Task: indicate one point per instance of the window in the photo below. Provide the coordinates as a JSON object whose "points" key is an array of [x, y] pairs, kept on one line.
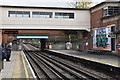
{"points": [[42, 14], [64, 15], [26, 14], [12, 14], [20, 14], [110, 10]]}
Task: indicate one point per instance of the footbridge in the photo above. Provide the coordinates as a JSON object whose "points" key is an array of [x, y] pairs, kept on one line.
{"points": [[27, 17]]}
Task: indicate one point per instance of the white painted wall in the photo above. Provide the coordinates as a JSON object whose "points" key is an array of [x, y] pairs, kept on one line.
{"points": [[0, 17], [81, 20], [0, 25], [0, 37]]}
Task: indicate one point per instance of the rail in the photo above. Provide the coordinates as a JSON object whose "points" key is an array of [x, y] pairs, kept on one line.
{"points": [[67, 67]]}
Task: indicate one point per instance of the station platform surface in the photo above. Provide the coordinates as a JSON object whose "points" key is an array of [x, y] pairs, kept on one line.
{"points": [[17, 68], [101, 58]]}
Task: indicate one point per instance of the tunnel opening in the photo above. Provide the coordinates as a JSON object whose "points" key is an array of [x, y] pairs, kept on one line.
{"points": [[39, 42]]}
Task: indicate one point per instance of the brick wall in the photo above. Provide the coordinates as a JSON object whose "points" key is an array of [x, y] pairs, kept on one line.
{"points": [[96, 19], [95, 23], [51, 32], [98, 22], [7, 37]]}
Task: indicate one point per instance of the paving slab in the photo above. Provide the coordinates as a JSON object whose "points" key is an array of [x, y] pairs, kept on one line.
{"points": [[15, 68]]}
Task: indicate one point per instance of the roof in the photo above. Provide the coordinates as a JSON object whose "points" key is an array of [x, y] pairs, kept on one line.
{"points": [[102, 3], [11, 6], [105, 2]]}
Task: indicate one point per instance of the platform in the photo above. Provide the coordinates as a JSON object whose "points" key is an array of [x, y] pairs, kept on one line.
{"points": [[18, 67], [103, 58]]}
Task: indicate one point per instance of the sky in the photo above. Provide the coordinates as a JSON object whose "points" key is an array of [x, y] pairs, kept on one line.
{"points": [[42, 3]]}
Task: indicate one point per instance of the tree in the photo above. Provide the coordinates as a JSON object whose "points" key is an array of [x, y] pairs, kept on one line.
{"points": [[80, 4], [83, 4]]}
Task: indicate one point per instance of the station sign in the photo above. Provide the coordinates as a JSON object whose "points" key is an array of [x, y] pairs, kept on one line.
{"points": [[112, 36], [118, 46]]}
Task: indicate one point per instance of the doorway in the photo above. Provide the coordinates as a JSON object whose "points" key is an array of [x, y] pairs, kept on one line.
{"points": [[112, 44]]}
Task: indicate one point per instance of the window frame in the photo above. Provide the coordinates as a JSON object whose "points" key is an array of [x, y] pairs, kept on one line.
{"points": [[110, 10], [64, 15], [19, 14], [42, 14]]}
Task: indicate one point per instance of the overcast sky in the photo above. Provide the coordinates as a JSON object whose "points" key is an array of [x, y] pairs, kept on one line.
{"points": [[42, 3]]}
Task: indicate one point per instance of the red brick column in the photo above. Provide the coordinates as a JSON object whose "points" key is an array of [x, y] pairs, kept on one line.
{"points": [[85, 39], [5, 38]]}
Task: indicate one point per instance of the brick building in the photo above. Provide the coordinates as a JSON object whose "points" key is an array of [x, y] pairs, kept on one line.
{"points": [[105, 26]]}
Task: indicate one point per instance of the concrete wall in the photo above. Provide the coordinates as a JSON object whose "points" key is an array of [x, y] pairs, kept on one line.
{"points": [[0, 17], [0, 25], [81, 20], [58, 46], [0, 37]]}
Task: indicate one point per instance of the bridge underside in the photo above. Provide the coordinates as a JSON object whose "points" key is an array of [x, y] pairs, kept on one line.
{"points": [[45, 36]]}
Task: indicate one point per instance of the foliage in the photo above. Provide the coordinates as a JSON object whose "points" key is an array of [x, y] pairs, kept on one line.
{"points": [[83, 4], [80, 4]]}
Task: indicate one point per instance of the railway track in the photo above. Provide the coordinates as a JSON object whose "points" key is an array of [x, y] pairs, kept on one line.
{"points": [[51, 71], [51, 67], [41, 69]]}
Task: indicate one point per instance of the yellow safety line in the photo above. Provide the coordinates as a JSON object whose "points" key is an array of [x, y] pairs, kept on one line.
{"points": [[98, 61], [25, 68]]}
